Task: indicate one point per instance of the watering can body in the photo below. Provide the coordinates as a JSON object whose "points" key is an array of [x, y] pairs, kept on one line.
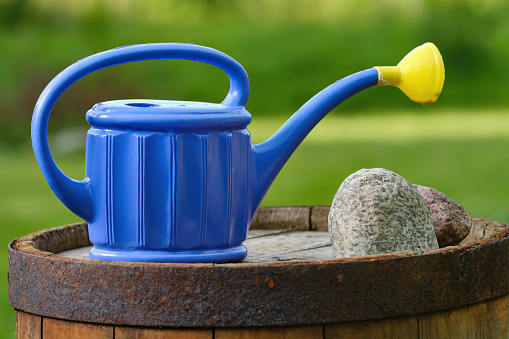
{"points": [[178, 181], [172, 190]]}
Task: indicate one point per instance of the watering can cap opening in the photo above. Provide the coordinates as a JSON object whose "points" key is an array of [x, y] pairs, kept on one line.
{"points": [[167, 115]]}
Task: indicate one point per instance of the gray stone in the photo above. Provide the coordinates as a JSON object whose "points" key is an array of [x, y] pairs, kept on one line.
{"points": [[377, 211], [450, 220]]}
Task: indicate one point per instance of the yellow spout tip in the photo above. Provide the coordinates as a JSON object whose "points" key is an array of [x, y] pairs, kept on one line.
{"points": [[420, 74]]}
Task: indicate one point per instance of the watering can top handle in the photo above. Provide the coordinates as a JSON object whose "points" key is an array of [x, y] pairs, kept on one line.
{"points": [[75, 194], [239, 82]]}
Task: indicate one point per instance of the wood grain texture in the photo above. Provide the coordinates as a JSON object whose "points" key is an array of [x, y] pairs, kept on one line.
{"points": [[251, 333], [498, 315], [58, 329], [290, 332], [282, 217], [304, 332], [289, 246], [483, 320], [394, 328], [28, 326], [320, 218], [155, 333], [483, 229], [462, 323]]}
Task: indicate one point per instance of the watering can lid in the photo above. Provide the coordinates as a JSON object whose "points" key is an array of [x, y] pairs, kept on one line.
{"points": [[167, 115]]}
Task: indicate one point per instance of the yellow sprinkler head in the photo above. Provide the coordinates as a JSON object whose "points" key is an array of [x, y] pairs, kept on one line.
{"points": [[420, 75]]}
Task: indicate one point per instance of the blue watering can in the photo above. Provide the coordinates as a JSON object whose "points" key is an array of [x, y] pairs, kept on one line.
{"points": [[180, 181]]}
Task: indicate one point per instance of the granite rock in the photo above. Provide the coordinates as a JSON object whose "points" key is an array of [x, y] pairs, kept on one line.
{"points": [[450, 220], [377, 211]]}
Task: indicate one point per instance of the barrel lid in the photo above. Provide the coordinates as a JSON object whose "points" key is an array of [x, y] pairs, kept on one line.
{"points": [[167, 115]]}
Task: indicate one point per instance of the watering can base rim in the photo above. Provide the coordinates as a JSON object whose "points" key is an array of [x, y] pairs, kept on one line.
{"points": [[220, 255]]}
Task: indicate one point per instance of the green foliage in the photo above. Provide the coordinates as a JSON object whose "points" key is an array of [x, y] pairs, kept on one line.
{"points": [[461, 153], [290, 49]]}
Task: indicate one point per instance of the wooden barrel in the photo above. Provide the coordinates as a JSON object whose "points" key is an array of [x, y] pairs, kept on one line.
{"points": [[287, 287]]}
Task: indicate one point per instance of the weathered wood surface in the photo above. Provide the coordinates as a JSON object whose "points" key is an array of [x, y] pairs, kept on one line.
{"points": [[483, 320], [286, 281], [58, 329], [286, 217], [295, 332], [483, 229], [397, 328], [123, 332], [28, 326]]}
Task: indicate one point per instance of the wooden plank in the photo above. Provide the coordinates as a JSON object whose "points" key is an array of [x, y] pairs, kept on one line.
{"points": [[320, 218], [122, 332], [250, 333], [282, 217], [318, 253], [264, 233], [466, 322], [498, 317], [28, 326], [288, 246], [290, 332], [304, 332], [394, 328], [483, 229], [76, 253], [483, 320], [58, 329]]}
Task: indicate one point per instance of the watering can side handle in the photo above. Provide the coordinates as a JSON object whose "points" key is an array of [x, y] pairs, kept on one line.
{"points": [[75, 194]]}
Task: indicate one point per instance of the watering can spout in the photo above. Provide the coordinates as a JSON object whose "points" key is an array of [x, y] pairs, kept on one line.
{"points": [[420, 75]]}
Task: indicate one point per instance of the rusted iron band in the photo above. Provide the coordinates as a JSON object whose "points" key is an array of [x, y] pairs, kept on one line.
{"points": [[238, 295]]}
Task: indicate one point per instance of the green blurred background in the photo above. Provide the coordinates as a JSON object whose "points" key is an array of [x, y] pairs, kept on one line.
{"points": [[291, 50]]}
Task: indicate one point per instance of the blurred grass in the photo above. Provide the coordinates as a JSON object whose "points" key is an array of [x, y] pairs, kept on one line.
{"points": [[461, 153], [291, 50]]}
